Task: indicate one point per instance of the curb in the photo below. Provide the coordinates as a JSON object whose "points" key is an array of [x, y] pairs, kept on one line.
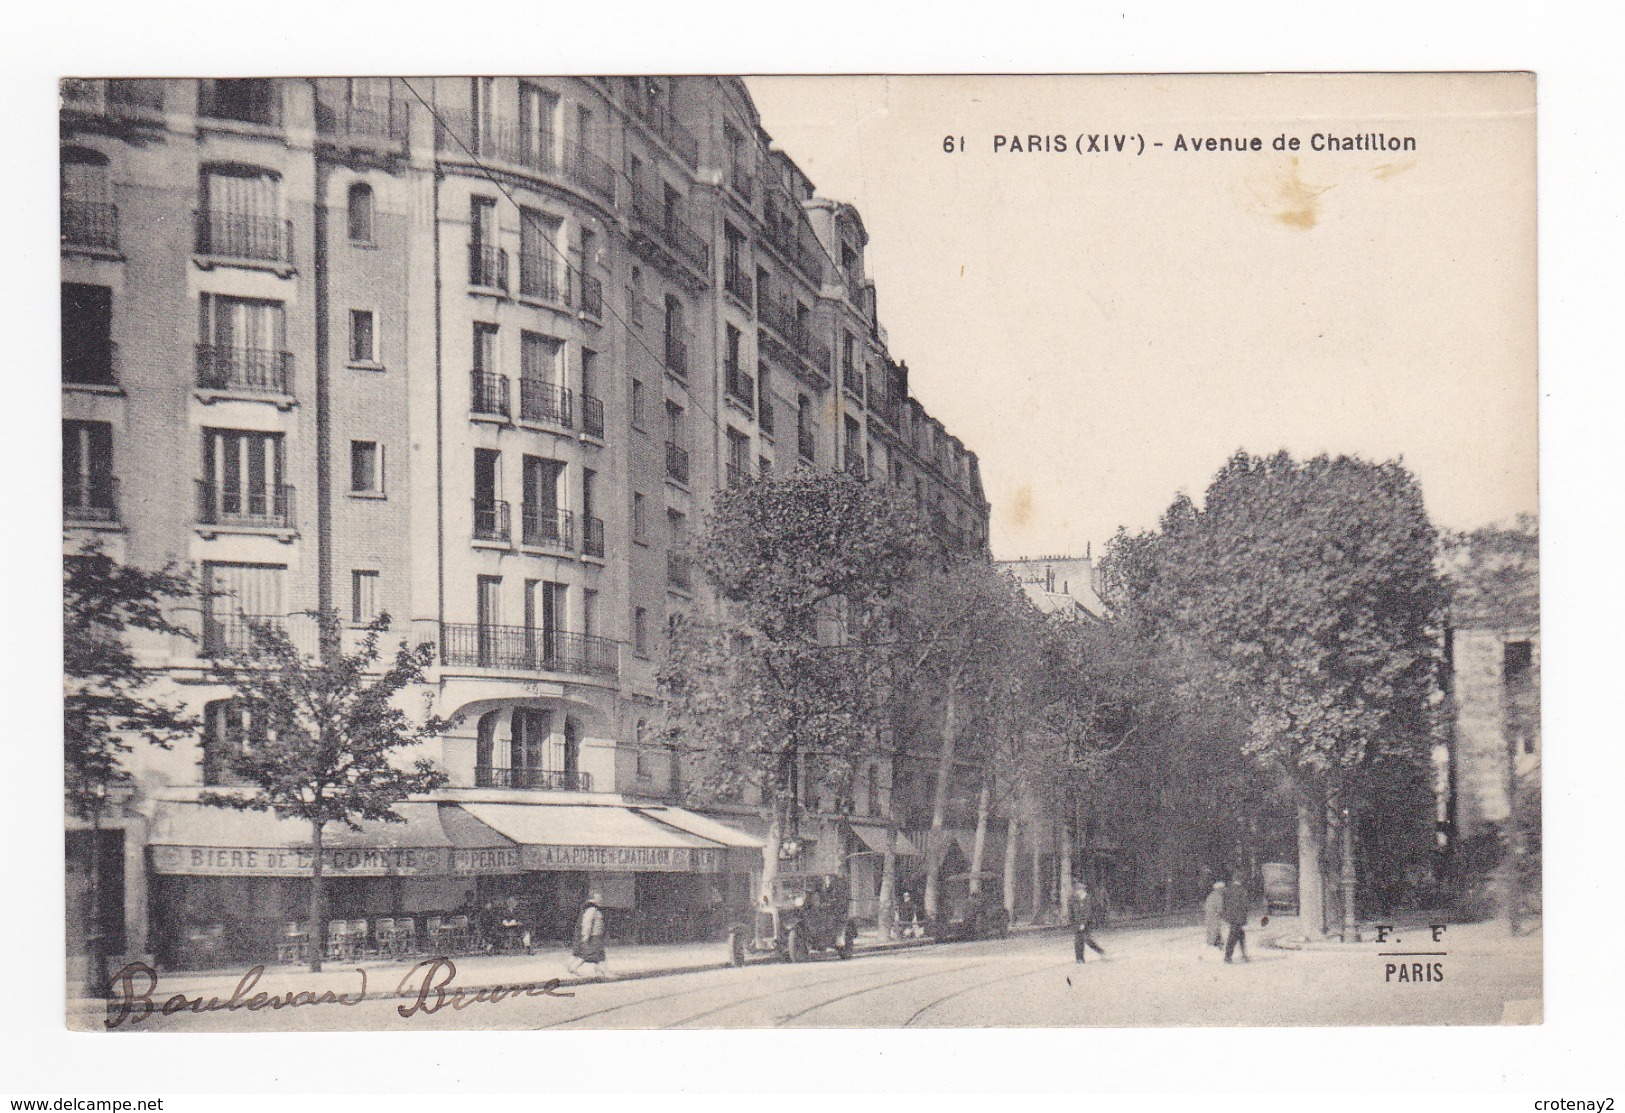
{"points": [[93, 1006]]}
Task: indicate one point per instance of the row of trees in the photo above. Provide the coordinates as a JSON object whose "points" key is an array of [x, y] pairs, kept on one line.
{"points": [[1275, 650]]}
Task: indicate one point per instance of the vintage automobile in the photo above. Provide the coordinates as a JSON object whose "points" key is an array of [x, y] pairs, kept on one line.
{"points": [[808, 912], [1280, 886], [966, 916]]}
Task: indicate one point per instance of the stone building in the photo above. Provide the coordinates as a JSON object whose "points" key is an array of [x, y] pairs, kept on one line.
{"points": [[474, 353]]}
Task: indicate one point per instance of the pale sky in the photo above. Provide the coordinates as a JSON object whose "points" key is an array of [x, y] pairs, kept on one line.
{"points": [[1105, 329]]}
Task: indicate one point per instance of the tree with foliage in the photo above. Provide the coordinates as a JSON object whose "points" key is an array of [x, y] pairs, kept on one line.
{"points": [[1494, 577], [1311, 587], [106, 700], [777, 680], [325, 737]]}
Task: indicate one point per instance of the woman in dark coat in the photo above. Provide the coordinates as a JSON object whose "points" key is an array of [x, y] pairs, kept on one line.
{"points": [[588, 948]]}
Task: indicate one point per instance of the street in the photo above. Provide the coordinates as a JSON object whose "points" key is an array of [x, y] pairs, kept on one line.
{"points": [[1151, 977]]}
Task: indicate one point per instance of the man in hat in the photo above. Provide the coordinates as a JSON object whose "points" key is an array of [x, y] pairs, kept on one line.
{"points": [[588, 948], [1086, 914]]}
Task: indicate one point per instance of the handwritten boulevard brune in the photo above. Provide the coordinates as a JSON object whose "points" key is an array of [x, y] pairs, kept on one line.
{"points": [[426, 989]]}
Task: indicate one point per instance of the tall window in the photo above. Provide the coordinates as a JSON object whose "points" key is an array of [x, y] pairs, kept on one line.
{"points": [[229, 733], [242, 344], [804, 428], [640, 631], [488, 615], [542, 523], [634, 297], [363, 595], [485, 346], [538, 254], [738, 457], [232, 592], [242, 477], [87, 471], [363, 340], [640, 523], [360, 214], [676, 337], [637, 405], [483, 95], [87, 334], [540, 358], [734, 273], [484, 261], [675, 424], [242, 214], [538, 109], [366, 468], [88, 216], [589, 612]]}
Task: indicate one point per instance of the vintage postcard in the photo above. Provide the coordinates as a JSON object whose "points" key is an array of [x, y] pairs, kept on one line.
{"points": [[702, 551]]}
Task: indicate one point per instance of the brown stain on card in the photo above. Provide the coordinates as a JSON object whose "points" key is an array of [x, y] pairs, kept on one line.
{"points": [[1021, 507], [1391, 169], [1297, 202]]}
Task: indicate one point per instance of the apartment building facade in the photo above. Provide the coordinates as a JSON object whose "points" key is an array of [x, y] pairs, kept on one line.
{"points": [[474, 353]]}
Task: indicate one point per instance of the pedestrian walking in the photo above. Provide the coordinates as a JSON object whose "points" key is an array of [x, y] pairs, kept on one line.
{"points": [[1238, 908], [588, 947], [1086, 912], [1213, 915]]}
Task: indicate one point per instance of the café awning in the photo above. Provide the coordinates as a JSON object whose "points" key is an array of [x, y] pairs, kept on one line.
{"points": [[874, 838], [599, 837], [188, 837]]}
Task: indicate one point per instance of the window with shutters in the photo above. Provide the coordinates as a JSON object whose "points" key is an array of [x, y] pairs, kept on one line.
{"points": [[242, 480], [363, 596], [88, 488], [234, 594]]}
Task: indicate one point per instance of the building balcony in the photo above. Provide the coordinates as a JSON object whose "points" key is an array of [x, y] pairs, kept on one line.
{"points": [[491, 522], [135, 100], [255, 507], [737, 283], [487, 267], [789, 237], [537, 780], [666, 239], [89, 224], [547, 527], [793, 335], [255, 101], [589, 172], [524, 649], [676, 462], [233, 635], [364, 121], [261, 239], [676, 356], [742, 182], [90, 502], [541, 277], [592, 416], [740, 387], [488, 394], [592, 536], [545, 402], [852, 381], [679, 571], [592, 296], [659, 120], [244, 370]]}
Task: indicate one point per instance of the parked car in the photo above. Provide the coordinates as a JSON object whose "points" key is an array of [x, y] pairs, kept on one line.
{"points": [[807, 913], [1280, 886], [965, 916]]}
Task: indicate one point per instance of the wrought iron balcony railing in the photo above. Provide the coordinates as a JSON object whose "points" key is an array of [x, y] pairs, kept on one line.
{"points": [[740, 386], [852, 380], [256, 506], [487, 267], [90, 500], [547, 527], [523, 648], [737, 282], [592, 296], [251, 370], [488, 394], [592, 536], [651, 218], [592, 416], [660, 120], [365, 119], [787, 235], [230, 235], [89, 224], [676, 462], [234, 635], [590, 172], [541, 276], [546, 402], [538, 780], [491, 522], [676, 355]]}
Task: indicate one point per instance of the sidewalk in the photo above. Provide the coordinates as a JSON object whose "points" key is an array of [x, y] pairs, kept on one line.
{"points": [[384, 976]]}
